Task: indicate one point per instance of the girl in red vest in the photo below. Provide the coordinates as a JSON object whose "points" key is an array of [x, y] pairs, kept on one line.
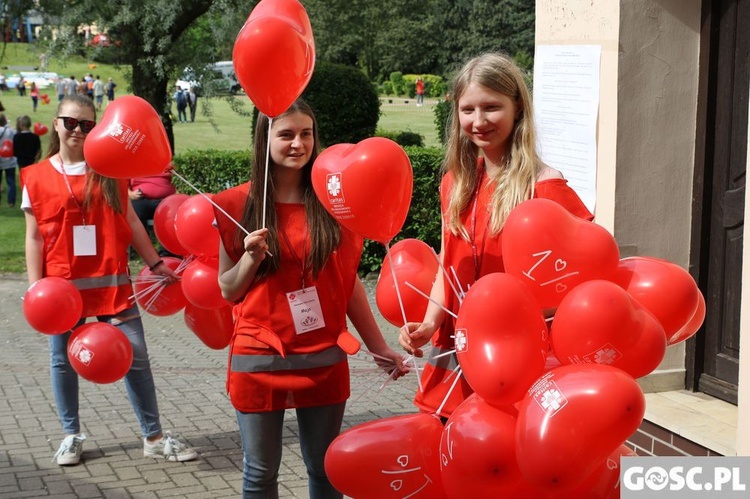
{"points": [[79, 226], [294, 283], [491, 166]]}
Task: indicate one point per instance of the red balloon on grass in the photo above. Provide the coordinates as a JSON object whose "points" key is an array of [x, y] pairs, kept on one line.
{"points": [[274, 55], [553, 251], [213, 326], [163, 300], [194, 227], [365, 186], [200, 283], [130, 141], [99, 352], [40, 129], [52, 305], [413, 262], [164, 223]]}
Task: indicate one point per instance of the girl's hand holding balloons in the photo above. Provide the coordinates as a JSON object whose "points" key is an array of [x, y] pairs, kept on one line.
{"points": [[414, 335], [255, 244]]}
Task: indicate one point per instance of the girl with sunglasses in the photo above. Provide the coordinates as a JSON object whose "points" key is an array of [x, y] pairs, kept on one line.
{"points": [[78, 227]]}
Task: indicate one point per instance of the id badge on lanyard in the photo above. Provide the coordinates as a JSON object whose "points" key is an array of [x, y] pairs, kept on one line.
{"points": [[307, 314], [84, 240]]}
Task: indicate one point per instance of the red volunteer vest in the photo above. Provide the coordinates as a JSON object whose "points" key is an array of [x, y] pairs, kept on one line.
{"points": [[272, 367], [103, 279], [438, 374]]}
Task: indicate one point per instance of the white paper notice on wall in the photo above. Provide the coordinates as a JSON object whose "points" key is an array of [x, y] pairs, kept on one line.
{"points": [[566, 107]]}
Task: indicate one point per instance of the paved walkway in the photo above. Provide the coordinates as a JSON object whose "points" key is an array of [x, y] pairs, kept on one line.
{"points": [[190, 383]]}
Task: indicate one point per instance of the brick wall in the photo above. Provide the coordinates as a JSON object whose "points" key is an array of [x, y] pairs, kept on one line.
{"points": [[653, 440]]}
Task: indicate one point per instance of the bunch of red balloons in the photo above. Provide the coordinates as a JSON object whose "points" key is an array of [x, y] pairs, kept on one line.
{"points": [[553, 407]]}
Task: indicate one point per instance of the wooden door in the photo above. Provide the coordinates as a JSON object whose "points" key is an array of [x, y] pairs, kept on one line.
{"points": [[723, 149]]}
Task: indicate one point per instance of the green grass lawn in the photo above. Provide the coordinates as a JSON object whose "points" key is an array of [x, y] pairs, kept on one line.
{"points": [[216, 126]]}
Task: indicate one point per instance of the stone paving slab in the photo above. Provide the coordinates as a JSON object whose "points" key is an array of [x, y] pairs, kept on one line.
{"points": [[190, 382]]}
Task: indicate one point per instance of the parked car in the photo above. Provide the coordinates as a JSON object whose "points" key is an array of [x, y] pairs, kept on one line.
{"points": [[218, 76]]}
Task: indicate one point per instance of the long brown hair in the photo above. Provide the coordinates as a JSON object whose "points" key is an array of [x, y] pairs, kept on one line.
{"points": [[514, 183], [325, 233], [108, 186]]}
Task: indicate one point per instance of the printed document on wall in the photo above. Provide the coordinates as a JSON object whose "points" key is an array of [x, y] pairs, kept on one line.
{"points": [[566, 108]]}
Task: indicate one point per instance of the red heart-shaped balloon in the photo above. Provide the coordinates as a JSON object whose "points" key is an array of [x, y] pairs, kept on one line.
{"points": [[572, 419], [213, 326], [553, 251], [200, 283], [501, 338], [478, 451], [388, 458], [40, 129], [598, 322], [274, 55], [129, 141], [194, 226], [164, 223], [667, 290], [6, 149], [413, 262], [365, 186]]}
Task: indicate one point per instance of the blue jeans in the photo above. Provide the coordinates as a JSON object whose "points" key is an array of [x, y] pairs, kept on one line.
{"points": [[261, 445], [10, 179], [139, 381]]}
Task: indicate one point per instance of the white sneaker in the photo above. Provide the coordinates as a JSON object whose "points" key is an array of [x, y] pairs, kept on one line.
{"points": [[168, 448], [70, 450]]}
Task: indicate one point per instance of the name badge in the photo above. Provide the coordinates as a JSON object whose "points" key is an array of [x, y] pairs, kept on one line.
{"points": [[84, 240], [306, 312]]}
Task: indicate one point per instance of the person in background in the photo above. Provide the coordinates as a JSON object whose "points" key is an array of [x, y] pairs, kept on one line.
{"points": [[491, 166], [21, 87], [61, 88], [34, 94], [181, 101], [294, 283], [146, 193], [192, 100], [420, 91], [79, 225], [27, 147], [109, 88], [98, 89], [72, 86], [8, 163]]}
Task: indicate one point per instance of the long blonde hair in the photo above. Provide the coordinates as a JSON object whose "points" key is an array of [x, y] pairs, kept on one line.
{"points": [[108, 186], [514, 183], [325, 233]]}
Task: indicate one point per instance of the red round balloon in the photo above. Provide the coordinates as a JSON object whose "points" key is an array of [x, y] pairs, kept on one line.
{"points": [[667, 290], [40, 129], [413, 262], [200, 283], [394, 457], [163, 300], [212, 326], [6, 149], [478, 451], [52, 305], [572, 418], [365, 186], [164, 223], [274, 55], [99, 352], [501, 338], [194, 226], [553, 251], [692, 327], [129, 141], [600, 323]]}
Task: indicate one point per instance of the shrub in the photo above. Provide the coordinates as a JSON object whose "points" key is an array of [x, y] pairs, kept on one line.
{"points": [[399, 85], [442, 113], [388, 88], [403, 138], [345, 103], [211, 170]]}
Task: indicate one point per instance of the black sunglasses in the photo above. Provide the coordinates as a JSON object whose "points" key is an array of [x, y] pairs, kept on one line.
{"points": [[71, 124]]}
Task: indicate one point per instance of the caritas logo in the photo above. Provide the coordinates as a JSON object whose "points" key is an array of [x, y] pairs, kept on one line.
{"points": [[334, 188]]}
